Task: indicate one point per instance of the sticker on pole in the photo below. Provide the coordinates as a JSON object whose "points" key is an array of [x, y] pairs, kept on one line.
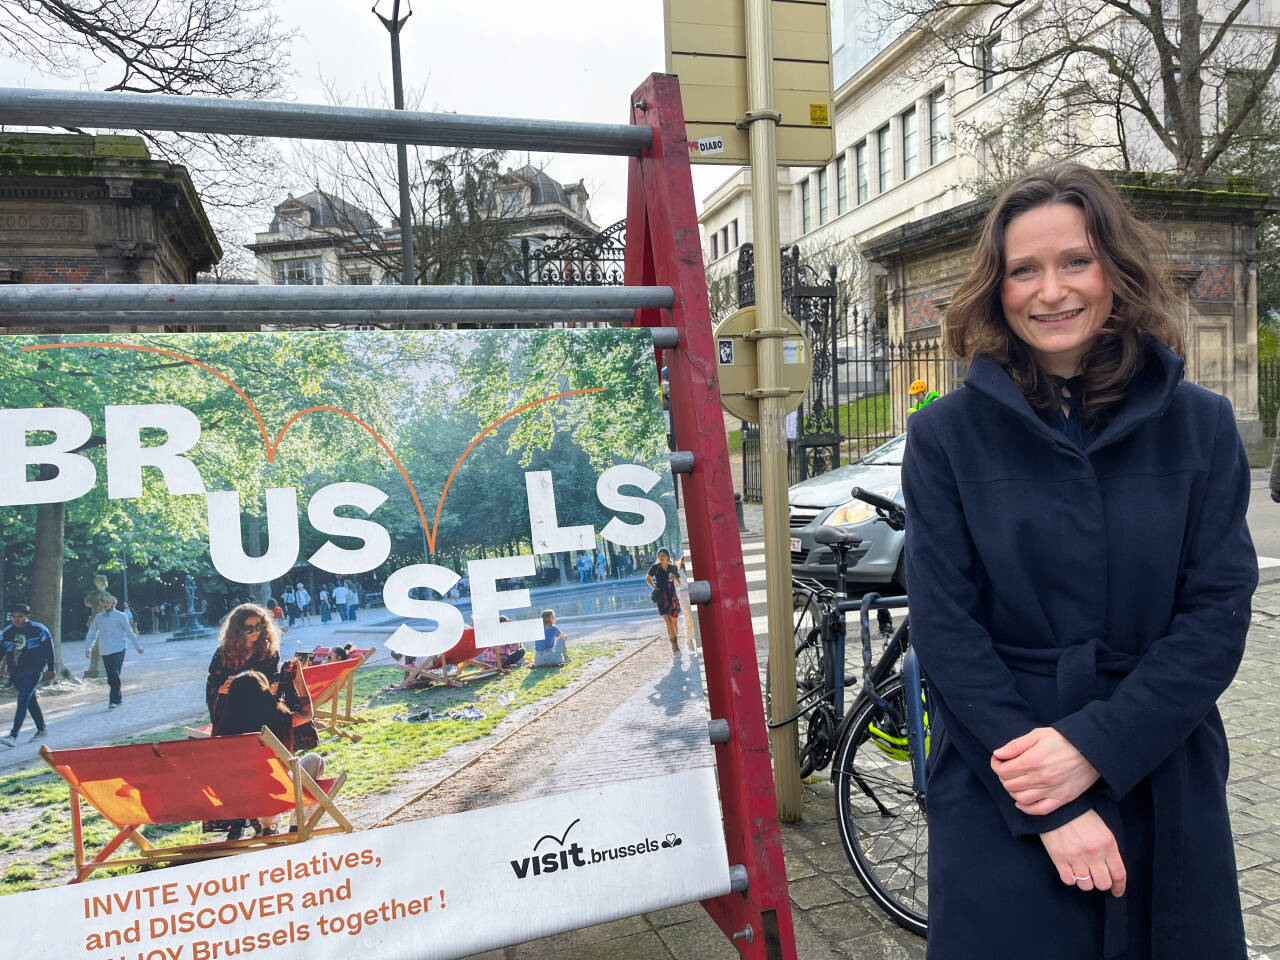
{"points": [[708, 145], [818, 115], [725, 349], [793, 351]]}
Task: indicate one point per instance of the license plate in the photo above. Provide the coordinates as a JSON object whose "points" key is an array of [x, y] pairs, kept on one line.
{"points": [[795, 544]]}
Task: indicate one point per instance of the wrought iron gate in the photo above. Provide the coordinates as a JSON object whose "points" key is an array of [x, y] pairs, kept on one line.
{"points": [[858, 397]]}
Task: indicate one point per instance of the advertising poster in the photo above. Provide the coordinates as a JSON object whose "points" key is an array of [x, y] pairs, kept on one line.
{"points": [[433, 564]]}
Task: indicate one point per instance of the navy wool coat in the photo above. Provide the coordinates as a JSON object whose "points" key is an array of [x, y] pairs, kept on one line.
{"points": [[1104, 592]]}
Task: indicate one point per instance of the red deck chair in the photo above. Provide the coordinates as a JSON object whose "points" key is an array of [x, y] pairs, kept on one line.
{"points": [[462, 654], [180, 781], [331, 686]]}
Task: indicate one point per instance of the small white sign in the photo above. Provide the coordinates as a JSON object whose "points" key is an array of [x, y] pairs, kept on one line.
{"points": [[725, 348], [710, 145], [793, 351], [792, 426]]}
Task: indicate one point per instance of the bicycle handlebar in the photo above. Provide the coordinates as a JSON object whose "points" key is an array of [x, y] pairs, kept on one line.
{"points": [[892, 513]]}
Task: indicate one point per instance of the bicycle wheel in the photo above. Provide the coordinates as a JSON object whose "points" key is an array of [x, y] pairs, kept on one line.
{"points": [[881, 819], [806, 613]]}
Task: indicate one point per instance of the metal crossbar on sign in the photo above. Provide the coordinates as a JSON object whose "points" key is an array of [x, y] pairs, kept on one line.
{"points": [[313, 121]]}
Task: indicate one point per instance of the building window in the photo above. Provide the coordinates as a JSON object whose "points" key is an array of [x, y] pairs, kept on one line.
{"points": [[359, 279], [885, 172], [842, 185], [715, 245], [733, 232], [805, 222], [937, 125], [307, 271], [512, 202], [724, 239], [294, 226], [860, 171], [822, 195], [989, 64], [910, 150]]}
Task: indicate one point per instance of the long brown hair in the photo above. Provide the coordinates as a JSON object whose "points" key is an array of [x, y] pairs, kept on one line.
{"points": [[1135, 260], [229, 640]]}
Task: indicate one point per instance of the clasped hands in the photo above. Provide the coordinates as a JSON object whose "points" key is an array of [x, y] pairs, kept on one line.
{"points": [[1042, 771]]}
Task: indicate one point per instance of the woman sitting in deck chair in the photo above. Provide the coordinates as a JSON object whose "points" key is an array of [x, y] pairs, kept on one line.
{"points": [[250, 704]]}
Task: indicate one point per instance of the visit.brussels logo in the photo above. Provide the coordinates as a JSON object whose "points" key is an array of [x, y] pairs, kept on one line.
{"points": [[553, 853]]}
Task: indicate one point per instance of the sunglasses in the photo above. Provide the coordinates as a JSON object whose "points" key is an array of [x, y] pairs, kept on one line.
{"points": [[252, 628]]}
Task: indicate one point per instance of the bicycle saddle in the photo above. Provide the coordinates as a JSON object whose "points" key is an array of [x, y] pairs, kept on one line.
{"points": [[830, 536]]}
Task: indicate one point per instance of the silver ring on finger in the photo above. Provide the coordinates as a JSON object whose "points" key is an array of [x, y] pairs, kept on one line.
{"points": [[1086, 877]]}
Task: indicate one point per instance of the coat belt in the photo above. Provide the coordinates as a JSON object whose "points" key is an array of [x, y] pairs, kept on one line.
{"points": [[1077, 669]]}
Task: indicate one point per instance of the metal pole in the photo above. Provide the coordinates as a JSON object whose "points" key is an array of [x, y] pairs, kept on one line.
{"points": [[32, 299], [313, 318], [763, 119], [408, 275], [314, 121]]}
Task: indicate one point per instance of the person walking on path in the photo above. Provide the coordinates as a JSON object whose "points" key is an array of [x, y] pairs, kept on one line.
{"points": [[661, 578], [1081, 576], [353, 600], [27, 651], [107, 634], [325, 613], [340, 600], [304, 602]]}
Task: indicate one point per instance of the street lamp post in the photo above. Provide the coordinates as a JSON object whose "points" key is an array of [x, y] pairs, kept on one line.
{"points": [[393, 25]]}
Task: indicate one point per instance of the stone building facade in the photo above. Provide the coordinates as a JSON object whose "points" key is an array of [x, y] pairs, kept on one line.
{"points": [[1211, 233], [97, 209]]}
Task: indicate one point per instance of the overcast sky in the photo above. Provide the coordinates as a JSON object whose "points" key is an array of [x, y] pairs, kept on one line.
{"points": [[553, 59]]}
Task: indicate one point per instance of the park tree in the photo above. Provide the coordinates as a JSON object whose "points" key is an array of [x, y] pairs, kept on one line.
{"points": [[230, 49], [1165, 86]]}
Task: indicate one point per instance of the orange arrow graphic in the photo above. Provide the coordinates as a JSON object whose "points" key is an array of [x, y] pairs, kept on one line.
{"points": [[273, 447]]}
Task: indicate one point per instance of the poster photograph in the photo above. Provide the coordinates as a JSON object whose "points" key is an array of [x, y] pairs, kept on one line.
{"points": [[346, 645]]}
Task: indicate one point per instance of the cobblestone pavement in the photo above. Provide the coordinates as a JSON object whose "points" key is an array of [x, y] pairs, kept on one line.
{"points": [[835, 920]]}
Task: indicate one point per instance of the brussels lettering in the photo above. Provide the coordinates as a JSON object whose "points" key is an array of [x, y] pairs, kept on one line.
{"points": [[69, 475]]}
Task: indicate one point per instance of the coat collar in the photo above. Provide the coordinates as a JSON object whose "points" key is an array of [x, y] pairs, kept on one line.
{"points": [[1148, 396]]}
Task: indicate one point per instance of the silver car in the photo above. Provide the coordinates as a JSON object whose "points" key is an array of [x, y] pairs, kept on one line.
{"points": [[825, 500]]}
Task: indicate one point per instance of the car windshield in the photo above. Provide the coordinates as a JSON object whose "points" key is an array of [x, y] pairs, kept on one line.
{"points": [[890, 454]]}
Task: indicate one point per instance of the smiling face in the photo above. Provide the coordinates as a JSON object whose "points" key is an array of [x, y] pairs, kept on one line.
{"points": [[1055, 294]]}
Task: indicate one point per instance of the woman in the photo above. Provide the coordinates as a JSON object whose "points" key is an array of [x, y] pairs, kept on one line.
{"points": [[250, 703], [1081, 576], [250, 640], [661, 578]]}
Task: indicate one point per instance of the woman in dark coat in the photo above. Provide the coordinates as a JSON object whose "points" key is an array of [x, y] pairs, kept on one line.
{"points": [[1081, 577], [250, 640]]}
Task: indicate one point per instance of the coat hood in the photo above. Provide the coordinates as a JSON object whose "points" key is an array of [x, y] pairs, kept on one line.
{"points": [[1148, 395]]}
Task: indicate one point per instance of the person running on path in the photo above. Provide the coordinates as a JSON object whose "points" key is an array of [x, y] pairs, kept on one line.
{"points": [[662, 577], [27, 650], [107, 634]]}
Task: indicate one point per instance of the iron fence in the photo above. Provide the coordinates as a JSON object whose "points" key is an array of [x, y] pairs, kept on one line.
{"points": [[857, 398], [1268, 395]]}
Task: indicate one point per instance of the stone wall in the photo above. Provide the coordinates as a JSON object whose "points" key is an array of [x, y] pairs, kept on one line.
{"points": [[86, 209]]}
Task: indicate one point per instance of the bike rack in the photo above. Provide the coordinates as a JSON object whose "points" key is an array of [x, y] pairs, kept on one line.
{"points": [[666, 290]]}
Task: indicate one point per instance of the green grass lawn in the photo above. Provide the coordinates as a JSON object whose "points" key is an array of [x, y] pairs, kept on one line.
{"points": [[38, 853]]}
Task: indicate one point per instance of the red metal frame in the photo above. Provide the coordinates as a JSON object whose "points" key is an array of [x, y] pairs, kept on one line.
{"points": [[664, 248]]}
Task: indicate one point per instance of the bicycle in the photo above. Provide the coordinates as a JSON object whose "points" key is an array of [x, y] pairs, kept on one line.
{"points": [[879, 763]]}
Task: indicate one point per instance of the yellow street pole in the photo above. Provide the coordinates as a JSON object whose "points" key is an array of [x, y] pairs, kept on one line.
{"points": [[762, 120]]}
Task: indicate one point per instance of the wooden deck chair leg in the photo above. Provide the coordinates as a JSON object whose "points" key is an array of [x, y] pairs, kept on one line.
{"points": [[302, 781], [100, 858], [320, 809]]}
